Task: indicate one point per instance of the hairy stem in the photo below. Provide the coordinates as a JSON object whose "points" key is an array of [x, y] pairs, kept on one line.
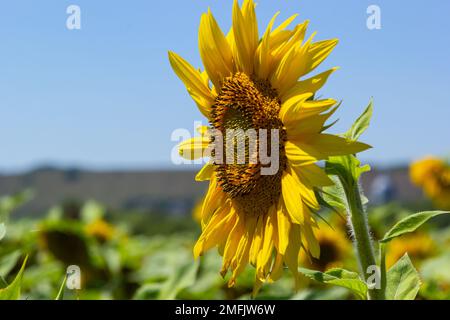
{"points": [[363, 242]]}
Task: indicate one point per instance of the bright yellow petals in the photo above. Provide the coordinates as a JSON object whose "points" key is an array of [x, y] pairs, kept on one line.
{"points": [[308, 126], [317, 53], [284, 225], [257, 240], [312, 175], [264, 221], [216, 231], [295, 111], [298, 156], [263, 58], [232, 243], [242, 254], [214, 50], [265, 254], [281, 28], [205, 173], [291, 67], [327, 145], [292, 251], [215, 198], [194, 82], [293, 40], [311, 85], [291, 197], [245, 32], [193, 148]]}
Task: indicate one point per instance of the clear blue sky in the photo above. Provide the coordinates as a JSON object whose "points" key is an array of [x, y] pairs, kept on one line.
{"points": [[105, 96]]}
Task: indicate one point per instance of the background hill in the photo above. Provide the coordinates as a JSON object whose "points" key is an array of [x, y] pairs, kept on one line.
{"points": [[172, 192]]}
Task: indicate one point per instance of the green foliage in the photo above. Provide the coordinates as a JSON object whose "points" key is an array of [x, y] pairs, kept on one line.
{"points": [[403, 282], [339, 277], [182, 278], [12, 291], [9, 204], [60, 295], [410, 224], [361, 124]]}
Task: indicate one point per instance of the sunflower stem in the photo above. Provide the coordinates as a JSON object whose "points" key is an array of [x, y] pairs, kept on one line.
{"points": [[363, 243]]}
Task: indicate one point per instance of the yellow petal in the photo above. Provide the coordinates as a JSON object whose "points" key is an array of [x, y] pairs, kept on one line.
{"points": [[298, 156], [313, 176], [300, 109], [291, 256], [193, 148], [317, 53], [284, 226], [310, 241], [293, 41], [277, 269], [205, 173], [245, 31], [232, 243], [311, 85], [263, 58], [329, 145], [284, 24], [257, 239], [307, 193], [215, 198], [291, 197], [214, 50], [290, 68], [216, 231], [311, 125], [194, 83], [268, 241], [243, 250]]}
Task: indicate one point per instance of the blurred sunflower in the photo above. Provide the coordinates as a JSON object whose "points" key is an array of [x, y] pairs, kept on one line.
{"points": [[252, 83], [433, 176], [419, 246], [335, 248], [100, 229], [197, 211]]}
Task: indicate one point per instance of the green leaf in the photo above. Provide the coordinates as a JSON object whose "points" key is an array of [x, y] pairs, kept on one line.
{"points": [[403, 282], [333, 197], [60, 295], [12, 292], [339, 277], [8, 262], [182, 278], [148, 291], [361, 124], [410, 224]]}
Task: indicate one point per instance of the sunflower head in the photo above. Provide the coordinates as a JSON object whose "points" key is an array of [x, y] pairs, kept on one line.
{"points": [[255, 92], [419, 246], [101, 230], [433, 175]]}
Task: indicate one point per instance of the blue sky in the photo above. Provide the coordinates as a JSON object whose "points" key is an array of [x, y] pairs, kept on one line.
{"points": [[105, 96]]}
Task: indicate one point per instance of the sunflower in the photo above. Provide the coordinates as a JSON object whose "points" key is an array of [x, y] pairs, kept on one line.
{"points": [[100, 229], [419, 247], [335, 248], [433, 176], [253, 83]]}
